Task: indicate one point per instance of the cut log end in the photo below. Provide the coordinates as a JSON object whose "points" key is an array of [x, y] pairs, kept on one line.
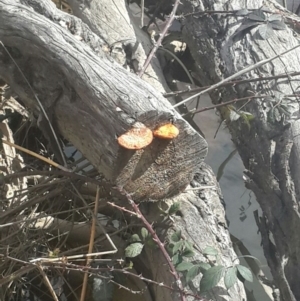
{"points": [[166, 166], [136, 138], [166, 131]]}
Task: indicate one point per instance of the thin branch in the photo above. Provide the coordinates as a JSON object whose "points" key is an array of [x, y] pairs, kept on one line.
{"points": [[122, 208], [39, 103], [159, 41], [158, 242], [58, 173], [142, 12], [237, 74], [91, 245], [47, 282], [249, 98], [29, 152], [235, 82], [72, 266]]}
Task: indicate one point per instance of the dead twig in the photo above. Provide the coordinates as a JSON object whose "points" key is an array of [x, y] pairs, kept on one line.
{"points": [[39, 103], [159, 41], [237, 74], [158, 242], [29, 152], [91, 245]]}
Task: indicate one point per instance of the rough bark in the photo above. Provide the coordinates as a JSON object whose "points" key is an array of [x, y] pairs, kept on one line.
{"points": [[105, 100], [89, 87], [268, 148]]}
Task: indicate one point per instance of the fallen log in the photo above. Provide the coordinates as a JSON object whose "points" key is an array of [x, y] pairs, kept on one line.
{"points": [[92, 101]]}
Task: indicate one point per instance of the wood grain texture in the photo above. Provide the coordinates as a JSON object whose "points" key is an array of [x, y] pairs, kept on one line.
{"points": [[93, 100], [269, 148]]}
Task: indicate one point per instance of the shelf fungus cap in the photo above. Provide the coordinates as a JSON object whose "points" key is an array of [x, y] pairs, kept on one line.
{"points": [[138, 137], [167, 131]]}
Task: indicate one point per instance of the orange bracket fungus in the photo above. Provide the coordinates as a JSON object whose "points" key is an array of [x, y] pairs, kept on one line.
{"points": [[167, 131], [138, 137]]}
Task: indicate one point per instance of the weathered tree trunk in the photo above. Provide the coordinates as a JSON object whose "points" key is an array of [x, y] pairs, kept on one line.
{"points": [[92, 99], [106, 102], [269, 148]]}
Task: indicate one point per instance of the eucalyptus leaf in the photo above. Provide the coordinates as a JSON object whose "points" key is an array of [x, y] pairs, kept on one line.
{"points": [[134, 250], [211, 278]]}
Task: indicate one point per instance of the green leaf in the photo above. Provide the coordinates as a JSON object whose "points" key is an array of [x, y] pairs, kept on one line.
{"points": [[247, 117], [188, 253], [275, 17], [266, 10], [230, 277], [278, 25], [134, 238], [150, 243], [243, 29], [257, 15], [177, 259], [242, 12], [233, 116], [177, 246], [265, 31], [176, 236], [204, 266], [2, 177], [211, 278], [188, 246], [134, 250], [144, 233], [174, 208], [192, 273], [245, 272], [184, 266], [210, 251]]}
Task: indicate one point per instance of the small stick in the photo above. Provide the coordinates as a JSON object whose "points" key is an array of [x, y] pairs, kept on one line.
{"points": [[159, 41], [158, 242], [237, 74], [29, 152], [91, 245]]}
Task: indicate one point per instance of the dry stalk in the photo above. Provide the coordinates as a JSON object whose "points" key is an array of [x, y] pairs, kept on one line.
{"points": [[91, 245], [158, 242], [159, 41], [47, 282]]}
